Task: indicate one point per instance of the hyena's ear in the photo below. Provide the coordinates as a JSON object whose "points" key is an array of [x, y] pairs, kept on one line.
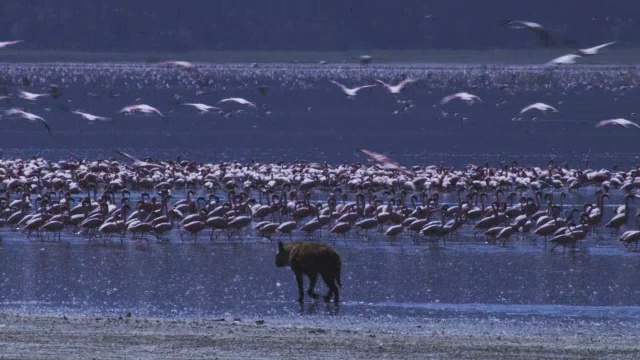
{"points": [[280, 246]]}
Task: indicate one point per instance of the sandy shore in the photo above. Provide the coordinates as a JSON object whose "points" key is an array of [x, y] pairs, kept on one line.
{"points": [[48, 337]]}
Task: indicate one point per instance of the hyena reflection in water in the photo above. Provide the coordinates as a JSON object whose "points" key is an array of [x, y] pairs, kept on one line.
{"points": [[312, 259]]}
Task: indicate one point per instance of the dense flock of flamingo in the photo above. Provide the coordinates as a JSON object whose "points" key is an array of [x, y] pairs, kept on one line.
{"points": [[138, 199], [145, 198]]}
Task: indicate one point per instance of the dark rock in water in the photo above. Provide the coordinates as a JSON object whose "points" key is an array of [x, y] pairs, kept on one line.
{"points": [[128, 314], [260, 322]]}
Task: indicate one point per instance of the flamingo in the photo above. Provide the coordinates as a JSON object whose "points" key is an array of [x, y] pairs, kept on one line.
{"points": [[238, 100], [381, 158], [341, 228], [538, 106], [567, 59], [593, 50], [4, 44], [393, 231], [184, 65], [138, 163], [90, 117], [287, 228], [543, 35], [29, 117], [194, 228], [351, 91], [54, 227], [395, 89], [30, 96], [631, 235], [465, 96], [204, 108], [142, 108], [617, 122]]}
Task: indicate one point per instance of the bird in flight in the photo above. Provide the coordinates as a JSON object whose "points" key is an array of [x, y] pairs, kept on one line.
{"points": [[351, 91], [538, 106], [29, 117], [4, 44], [381, 158], [543, 35], [617, 122], [142, 108], [564, 60], [238, 100], [593, 50], [30, 96], [204, 108], [465, 96], [395, 89], [90, 117], [184, 65], [137, 162]]}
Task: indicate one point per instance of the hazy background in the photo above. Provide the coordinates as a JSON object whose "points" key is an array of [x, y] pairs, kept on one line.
{"points": [[190, 25]]}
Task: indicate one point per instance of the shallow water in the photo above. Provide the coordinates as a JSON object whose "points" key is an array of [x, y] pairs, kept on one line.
{"points": [[402, 280]]}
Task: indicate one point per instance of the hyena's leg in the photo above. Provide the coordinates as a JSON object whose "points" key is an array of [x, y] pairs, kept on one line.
{"points": [[333, 289], [300, 289], [312, 284]]}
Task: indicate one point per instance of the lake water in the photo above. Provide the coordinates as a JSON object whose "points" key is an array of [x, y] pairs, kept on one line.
{"points": [[311, 119], [301, 115], [405, 280]]}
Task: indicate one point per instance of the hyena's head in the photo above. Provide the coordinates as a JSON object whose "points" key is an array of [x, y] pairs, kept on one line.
{"points": [[282, 256]]}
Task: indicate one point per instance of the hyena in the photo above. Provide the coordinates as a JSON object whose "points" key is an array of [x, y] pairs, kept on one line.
{"points": [[312, 259]]}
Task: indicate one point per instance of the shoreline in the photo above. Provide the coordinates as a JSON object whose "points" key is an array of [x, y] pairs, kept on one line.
{"points": [[620, 56], [74, 337]]}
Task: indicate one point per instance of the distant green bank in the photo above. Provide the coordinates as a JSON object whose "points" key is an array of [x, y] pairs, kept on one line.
{"points": [[612, 56]]}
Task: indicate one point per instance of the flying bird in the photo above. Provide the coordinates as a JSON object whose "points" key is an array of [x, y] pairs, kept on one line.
{"points": [[381, 158], [564, 60], [240, 101], [539, 106], [541, 33], [184, 65], [465, 96], [29, 117], [593, 50], [30, 96], [4, 44], [204, 108], [91, 117], [137, 162], [351, 91], [395, 89], [617, 122], [365, 59], [142, 108]]}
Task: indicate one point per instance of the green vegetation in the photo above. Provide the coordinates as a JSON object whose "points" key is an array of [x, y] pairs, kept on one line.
{"points": [[490, 57]]}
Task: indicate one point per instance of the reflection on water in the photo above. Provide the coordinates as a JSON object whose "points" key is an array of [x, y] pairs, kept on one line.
{"points": [[240, 279]]}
